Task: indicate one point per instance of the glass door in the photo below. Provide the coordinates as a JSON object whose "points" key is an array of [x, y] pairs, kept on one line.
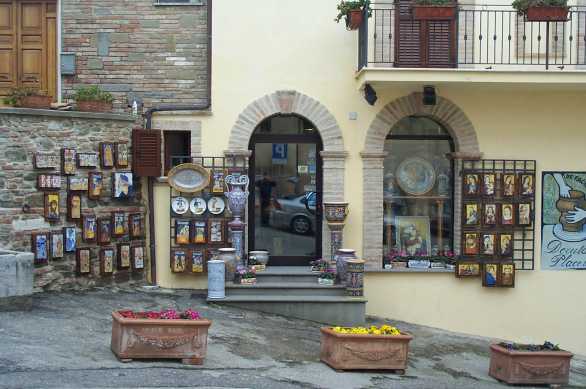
{"points": [[285, 201]]}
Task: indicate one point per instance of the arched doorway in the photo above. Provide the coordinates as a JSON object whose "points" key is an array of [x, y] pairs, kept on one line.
{"points": [[286, 190]]}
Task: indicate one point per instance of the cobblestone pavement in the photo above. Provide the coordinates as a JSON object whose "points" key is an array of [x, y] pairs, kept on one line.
{"points": [[64, 342]]}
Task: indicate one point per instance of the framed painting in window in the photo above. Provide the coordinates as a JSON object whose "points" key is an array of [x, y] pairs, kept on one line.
{"points": [[413, 235]]}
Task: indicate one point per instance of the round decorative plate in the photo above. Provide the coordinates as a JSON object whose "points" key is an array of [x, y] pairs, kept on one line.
{"points": [[188, 178], [415, 176], [198, 206], [216, 205], [180, 205]]}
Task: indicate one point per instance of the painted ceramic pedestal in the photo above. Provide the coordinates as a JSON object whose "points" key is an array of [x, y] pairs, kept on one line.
{"points": [[335, 214], [237, 195], [355, 277], [216, 279], [342, 257]]}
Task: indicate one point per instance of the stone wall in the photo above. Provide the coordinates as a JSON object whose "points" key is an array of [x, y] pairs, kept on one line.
{"points": [[134, 48], [24, 132]]}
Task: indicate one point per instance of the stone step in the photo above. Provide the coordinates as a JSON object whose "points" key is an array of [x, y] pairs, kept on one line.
{"points": [[289, 274], [332, 310], [284, 288]]}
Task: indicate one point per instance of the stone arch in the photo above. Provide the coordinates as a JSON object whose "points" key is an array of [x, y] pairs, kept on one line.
{"points": [[445, 112], [292, 102], [466, 145], [287, 102]]}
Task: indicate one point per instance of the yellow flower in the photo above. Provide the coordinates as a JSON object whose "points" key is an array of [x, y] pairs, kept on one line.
{"points": [[385, 329]]}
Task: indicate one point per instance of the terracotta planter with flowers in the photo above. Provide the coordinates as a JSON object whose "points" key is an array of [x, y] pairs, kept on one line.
{"points": [[166, 335], [547, 14], [354, 19], [539, 367], [38, 102], [383, 348], [94, 106], [434, 12]]}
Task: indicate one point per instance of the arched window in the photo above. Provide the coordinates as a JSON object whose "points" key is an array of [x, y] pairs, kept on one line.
{"points": [[418, 189]]}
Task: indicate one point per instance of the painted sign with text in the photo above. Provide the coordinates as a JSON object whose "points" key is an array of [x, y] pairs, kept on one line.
{"points": [[563, 221]]}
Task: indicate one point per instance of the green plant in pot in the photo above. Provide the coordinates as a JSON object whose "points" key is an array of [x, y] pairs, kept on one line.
{"points": [[352, 12], [27, 97], [93, 99], [434, 10], [542, 10]]}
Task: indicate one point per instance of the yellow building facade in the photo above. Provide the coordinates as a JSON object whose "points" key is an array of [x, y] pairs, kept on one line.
{"points": [[276, 57]]}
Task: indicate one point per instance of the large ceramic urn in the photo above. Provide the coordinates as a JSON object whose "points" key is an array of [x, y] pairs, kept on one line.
{"points": [[237, 195], [565, 205]]}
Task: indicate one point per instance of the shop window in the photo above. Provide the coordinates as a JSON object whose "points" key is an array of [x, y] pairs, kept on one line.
{"points": [[418, 189], [177, 148]]}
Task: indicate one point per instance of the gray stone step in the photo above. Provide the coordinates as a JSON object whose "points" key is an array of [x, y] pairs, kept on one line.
{"points": [[265, 288], [290, 274], [332, 310]]}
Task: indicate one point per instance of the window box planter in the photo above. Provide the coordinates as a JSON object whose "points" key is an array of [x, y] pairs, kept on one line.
{"points": [[547, 14], [94, 106], [159, 338], [38, 102], [373, 352], [434, 12], [529, 367], [354, 19]]}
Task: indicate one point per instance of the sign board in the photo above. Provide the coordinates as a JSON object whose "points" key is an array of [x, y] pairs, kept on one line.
{"points": [[279, 154]]}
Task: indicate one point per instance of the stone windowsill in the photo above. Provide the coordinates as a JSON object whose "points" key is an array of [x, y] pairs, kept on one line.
{"points": [[411, 270], [67, 114]]}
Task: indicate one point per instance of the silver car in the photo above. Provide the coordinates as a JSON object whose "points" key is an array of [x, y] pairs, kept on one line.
{"points": [[296, 213]]}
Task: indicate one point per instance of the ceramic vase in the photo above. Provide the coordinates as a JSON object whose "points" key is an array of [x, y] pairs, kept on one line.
{"points": [[355, 277], [216, 279], [228, 255], [342, 256], [260, 256]]}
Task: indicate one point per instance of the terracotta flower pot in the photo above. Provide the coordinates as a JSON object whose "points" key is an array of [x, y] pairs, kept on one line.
{"points": [[378, 352], [354, 19], [158, 338], [94, 106], [529, 367], [547, 14], [434, 12], [38, 102]]}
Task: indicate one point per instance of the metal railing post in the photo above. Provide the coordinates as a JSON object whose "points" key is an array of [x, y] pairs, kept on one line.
{"points": [[363, 40]]}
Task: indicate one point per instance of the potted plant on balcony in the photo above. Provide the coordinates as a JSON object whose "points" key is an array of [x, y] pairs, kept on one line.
{"points": [[27, 97], [434, 10], [165, 334], [542, 10], [353, 12], [379, 348], [93, 99], [529, 364]]}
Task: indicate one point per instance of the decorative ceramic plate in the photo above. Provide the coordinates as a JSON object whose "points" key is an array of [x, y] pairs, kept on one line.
{"points": [[180, 205], [415, 176], [188, 178], [216, 205], [198, 206]]}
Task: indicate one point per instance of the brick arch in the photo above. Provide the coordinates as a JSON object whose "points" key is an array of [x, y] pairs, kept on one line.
{"points": [[292, 102], [445, 112], [466, 144], [287, 102]]}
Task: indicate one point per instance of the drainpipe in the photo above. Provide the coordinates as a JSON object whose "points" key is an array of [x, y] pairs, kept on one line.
{"points": [[148, 115]]}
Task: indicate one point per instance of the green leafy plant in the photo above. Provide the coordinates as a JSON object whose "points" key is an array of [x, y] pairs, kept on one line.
{"points": [[93, 93], [434, 2], [327, 275], [346, 6], [16, 94], [522, 5]]}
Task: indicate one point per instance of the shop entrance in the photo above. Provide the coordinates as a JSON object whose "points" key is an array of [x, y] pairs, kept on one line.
{"points": [[286, 190]]}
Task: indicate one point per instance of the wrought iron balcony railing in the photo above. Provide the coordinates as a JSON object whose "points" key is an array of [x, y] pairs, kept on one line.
{"points": [[478, 36]]}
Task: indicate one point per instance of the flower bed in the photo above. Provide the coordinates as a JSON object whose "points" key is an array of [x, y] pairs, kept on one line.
{"points": [[165, 334], [378, 348], [529, 364]]}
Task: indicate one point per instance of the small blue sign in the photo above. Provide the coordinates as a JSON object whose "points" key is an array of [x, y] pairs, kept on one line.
{"points": [[279, 153]]}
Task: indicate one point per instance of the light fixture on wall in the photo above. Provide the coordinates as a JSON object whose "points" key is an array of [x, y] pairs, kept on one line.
{"points": [[370, 94], [429, 97]]}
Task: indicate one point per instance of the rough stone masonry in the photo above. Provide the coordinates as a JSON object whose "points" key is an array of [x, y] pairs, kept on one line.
{"points": [[158, 53], [22, 134]]}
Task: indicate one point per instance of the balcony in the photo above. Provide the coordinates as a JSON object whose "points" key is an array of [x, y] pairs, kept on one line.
{"points": [[482, 44]]}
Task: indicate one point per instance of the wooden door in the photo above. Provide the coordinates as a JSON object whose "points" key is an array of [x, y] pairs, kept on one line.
{"points": [[423, 43], [28, 45]]}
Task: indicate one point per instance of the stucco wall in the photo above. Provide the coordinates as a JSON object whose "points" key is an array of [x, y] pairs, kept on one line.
{"points": [[318, 59]]}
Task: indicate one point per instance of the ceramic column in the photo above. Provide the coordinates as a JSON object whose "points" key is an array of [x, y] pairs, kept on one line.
{"points": [[335, 214], [237, 195], [216, 279]]}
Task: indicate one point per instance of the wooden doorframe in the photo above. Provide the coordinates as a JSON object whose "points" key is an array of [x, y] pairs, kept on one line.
{"points": [[313, 138]]}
